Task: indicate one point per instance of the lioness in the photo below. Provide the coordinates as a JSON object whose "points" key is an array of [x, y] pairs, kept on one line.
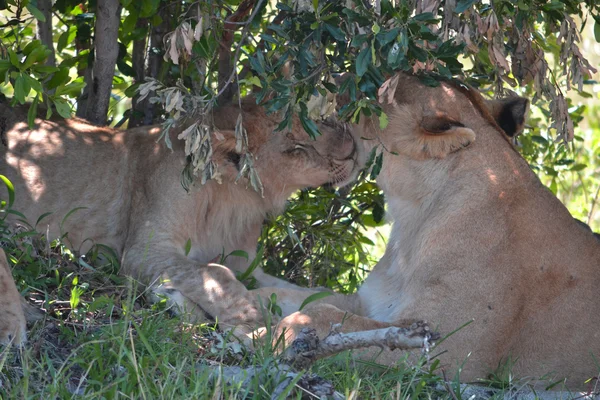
{"points": [[476, 237], [133, 200], [12, 320]]}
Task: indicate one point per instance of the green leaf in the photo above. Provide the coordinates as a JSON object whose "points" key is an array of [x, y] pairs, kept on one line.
{"points": [[376, 168], [10, 188], [239, 253], [554, 186], [148, 8], [44, 69], [386, 37], [32, 113], [131, 90], [463, 5], [44, 215], [253, 265], [314, 297], [335, 32], [35, 12], [578, 167], [66, 38], [523, 6], [188, 247], [60, 77], [73, 89], [4, 66], [308, 124], [33, 83], [73, 211], [383, 121], [378, 212], [362, 61], [129, 24], [14, 60], [258, 63], [330, 87], [426, 17], [597, 31], [63, 108], [22, 88]]}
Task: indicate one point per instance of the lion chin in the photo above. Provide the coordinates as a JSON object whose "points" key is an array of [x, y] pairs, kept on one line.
{"points": [[123, 190]]}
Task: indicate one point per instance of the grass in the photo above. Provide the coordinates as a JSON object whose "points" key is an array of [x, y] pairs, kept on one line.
{"points": [[100, 338]]}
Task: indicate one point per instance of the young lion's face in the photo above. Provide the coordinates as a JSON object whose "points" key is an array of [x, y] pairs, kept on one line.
{"points": [[292, 160]]}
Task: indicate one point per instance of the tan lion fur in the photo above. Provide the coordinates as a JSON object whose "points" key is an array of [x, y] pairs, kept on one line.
{"points": [[12, 319], [475, 237], [134, 202]]}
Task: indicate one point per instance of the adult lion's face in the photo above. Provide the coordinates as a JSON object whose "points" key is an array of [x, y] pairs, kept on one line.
{"points": [[288, 161], [432, 129]]}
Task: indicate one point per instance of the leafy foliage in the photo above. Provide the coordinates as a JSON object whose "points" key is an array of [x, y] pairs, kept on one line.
{"points": [[179, 60]]}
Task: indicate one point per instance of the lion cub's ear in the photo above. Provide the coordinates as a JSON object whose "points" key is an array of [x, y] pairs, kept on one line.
{"points": [[440, 135], [510, 114]]}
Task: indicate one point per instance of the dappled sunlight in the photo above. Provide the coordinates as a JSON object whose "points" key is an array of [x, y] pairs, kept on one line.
{"points": [[30, 173], [492, 176]]}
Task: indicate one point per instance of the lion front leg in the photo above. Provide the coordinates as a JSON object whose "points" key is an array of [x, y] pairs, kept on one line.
{"points": [[330, 316], [199, 290]]}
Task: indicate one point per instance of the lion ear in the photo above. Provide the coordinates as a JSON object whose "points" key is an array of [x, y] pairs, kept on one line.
{"points": [[510, 114], [441, 135]]}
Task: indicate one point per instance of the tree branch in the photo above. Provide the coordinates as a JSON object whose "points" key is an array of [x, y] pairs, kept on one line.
{"points": [[44, 29], [226, 66], [308, 348], [138, 61], [106, 51]]}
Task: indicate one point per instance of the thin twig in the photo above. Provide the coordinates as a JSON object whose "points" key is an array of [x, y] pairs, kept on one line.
{"points": [[239, 48]]}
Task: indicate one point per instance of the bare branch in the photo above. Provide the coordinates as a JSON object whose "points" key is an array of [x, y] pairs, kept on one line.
{"points": [[308, 348], [106, 51], [226, 67], [138, 61]]}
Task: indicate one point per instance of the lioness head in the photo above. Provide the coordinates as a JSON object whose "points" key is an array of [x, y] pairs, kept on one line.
{"points": [[428, 124], [287, 161]]}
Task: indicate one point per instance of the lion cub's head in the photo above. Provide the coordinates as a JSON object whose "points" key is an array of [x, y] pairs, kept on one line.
{"points": [[286, 161]]}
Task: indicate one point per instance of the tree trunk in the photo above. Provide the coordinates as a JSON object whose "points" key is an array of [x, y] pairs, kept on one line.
{"points": [[44, 29], [156, 61], [106, 51], [138, 57]]}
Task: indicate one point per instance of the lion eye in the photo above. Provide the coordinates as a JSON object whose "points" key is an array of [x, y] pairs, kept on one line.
{"points": [[297, 150]]}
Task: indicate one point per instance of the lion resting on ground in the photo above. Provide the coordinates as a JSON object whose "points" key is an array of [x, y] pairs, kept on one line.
{"points": [[476, 237], [134, 202]]}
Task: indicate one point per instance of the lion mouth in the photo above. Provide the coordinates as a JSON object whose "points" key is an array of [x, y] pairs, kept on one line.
{"points": [[344, 171]]}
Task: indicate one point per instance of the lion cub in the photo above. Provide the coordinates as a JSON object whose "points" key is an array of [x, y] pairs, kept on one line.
{"points": [[126, 192]]}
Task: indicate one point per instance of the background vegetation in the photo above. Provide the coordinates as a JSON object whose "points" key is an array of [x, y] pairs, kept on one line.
{"points": [[158, 61]]}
